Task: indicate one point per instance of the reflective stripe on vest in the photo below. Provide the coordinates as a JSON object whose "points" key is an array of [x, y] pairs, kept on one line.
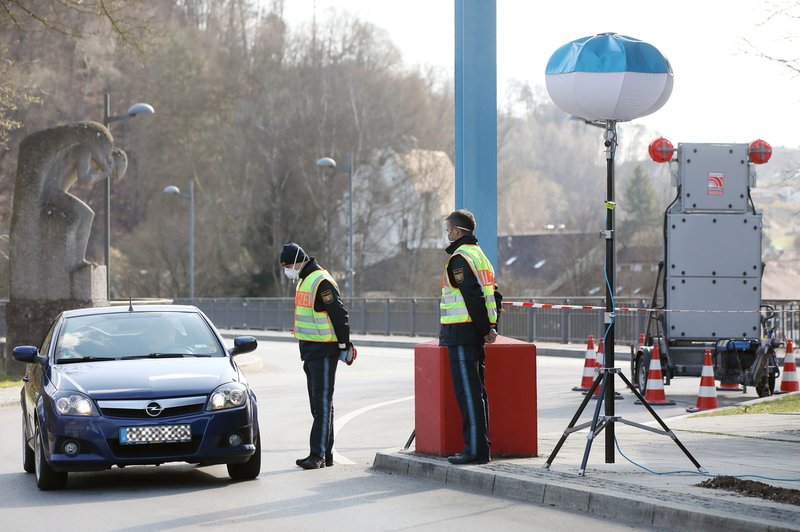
{"points": [[310, 325], [453, 308]]}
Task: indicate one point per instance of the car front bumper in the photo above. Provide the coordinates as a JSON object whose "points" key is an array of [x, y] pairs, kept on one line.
{"points": [[100, 447]]}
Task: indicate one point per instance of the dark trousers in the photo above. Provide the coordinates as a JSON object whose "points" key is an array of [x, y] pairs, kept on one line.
{"points": [[467, 369], [320, 379]]}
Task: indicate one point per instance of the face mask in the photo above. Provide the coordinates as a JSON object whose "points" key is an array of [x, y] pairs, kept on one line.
{"points": [[291, 273], [447, 240]]}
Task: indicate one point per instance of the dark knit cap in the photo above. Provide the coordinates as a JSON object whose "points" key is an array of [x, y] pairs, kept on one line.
{"points": [[292, 253]]}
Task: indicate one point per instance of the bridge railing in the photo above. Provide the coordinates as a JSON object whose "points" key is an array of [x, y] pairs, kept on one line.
{"points": [[419, 316]]}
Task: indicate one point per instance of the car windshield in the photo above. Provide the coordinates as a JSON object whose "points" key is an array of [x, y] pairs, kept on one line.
{"points": [[135, 335]]}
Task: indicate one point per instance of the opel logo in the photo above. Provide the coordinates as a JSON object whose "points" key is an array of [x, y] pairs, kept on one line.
{"points": [[153, 409]]}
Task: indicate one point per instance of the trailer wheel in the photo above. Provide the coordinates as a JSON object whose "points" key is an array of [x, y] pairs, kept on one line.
{"points": [[766, 387], [641, 373]]}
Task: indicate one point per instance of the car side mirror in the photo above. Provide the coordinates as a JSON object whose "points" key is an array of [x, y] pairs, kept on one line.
{"points": [[243, 344], [25, 353]]}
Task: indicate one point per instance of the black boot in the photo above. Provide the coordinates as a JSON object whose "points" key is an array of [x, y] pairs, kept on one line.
{"points": [[313, 462], [464, 458]]}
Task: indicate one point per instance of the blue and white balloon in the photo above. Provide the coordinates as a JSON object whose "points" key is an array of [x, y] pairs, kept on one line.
{"points": [[609, 77]]}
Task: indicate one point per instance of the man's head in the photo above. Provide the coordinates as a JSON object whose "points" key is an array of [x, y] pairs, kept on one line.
{"points": [[460, 223], [292, 259], [292, 254], [163, 334]]}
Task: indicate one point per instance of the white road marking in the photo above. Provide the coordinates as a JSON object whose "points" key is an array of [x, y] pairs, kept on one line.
{"points": [[341, 422]]}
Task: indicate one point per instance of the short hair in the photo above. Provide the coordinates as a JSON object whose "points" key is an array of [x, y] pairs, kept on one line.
{"points": [[462, 218]]}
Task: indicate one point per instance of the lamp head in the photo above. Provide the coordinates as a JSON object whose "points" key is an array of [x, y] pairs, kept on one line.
{"points": [[172, 189], [141, 109], [326, 162]]}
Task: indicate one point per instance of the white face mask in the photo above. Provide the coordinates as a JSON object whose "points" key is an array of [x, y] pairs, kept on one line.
{"points": [[291, 273], [447, 240]]}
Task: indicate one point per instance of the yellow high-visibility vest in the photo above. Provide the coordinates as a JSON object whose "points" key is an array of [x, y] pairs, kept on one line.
{"points": [[453, 308], [310, 325]]}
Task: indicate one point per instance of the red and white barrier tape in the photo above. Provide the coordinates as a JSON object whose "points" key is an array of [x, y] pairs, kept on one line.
{"points": [[628, 309]]}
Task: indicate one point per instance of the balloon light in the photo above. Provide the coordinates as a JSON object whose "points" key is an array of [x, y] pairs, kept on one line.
{"points": [[760, 151], [609, 77], [661, 150], [605, 79]]}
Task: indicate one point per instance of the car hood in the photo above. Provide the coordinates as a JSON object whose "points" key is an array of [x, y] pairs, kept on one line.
{"points": [[144, 378]]}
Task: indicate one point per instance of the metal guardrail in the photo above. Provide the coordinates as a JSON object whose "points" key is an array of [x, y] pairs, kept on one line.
{"points": [[419, 316]]}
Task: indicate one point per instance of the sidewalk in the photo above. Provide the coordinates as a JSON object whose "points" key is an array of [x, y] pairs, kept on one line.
{"points": [[759, 444]]}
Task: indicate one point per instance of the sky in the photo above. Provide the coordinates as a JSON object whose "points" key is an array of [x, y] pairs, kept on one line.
{"points": [[723, 91]]}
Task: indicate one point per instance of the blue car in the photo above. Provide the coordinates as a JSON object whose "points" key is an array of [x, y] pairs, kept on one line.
{"points": [[139, 385]]}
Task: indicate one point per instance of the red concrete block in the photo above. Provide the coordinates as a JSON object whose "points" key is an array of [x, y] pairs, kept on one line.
{"points": [[510, 386], [437, 420]]}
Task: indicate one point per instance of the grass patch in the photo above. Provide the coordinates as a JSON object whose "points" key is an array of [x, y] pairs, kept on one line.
{"points": [[10, 381], [788, 403]]}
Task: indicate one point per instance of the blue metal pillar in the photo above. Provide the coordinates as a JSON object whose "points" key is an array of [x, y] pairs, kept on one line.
{"points": [[476, 117]]}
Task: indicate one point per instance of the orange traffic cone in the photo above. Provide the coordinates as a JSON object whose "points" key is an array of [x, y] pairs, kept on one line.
{"points": [[600, 361], [600, 358], [729, 387], [589, 365], [789, 380], [654, 394], [707, 395], [641, 339]]}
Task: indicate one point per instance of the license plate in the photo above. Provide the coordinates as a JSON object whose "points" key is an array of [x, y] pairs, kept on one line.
{"points": [[155, 434]]}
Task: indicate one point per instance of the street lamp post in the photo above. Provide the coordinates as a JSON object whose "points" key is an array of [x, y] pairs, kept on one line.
{"points": [[328, 162], [133, 110], [172, 189]]}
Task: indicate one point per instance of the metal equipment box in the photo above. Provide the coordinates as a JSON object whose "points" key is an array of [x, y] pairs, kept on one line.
{"points": [[727, 307], [713, 177], [714, 245]]}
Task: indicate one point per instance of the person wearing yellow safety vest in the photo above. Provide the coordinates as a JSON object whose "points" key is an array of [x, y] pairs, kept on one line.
{"points": [[468, 320], [322, 326]]}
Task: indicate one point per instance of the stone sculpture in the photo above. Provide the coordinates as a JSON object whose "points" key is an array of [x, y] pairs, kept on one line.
{"points": [[50, 227]]}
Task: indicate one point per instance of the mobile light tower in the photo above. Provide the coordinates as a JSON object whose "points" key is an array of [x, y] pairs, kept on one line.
{"points": [[605, 79], [133, 111]]}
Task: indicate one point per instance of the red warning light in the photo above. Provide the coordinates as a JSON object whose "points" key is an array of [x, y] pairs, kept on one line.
{"points": [[661, 150], [760, 151]]}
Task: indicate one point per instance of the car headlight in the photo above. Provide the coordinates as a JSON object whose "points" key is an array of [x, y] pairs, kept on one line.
{"points": [[69, 403], [230, 395]]}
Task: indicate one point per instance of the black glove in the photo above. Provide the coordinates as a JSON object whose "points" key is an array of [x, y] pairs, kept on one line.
{"points": [[349, 354]]}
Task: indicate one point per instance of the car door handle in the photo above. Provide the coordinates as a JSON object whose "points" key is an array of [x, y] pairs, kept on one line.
{"points": [[25, 378]]}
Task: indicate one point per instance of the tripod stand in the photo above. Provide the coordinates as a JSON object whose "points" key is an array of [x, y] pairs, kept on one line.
{"points": [[597, 424]]}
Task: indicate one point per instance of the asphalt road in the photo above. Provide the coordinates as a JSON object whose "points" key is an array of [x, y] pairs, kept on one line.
{"points": [[374, 411]]}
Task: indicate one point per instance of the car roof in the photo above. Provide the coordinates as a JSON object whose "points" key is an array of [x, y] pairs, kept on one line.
{"points": [[122, 309]]}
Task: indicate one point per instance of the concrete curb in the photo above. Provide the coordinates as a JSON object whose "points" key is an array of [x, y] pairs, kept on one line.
{"points": [[602, 502]]}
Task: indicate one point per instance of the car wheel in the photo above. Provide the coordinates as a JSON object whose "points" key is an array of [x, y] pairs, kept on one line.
{"points": [[28, 454], [250, 469], [46, 477]]}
